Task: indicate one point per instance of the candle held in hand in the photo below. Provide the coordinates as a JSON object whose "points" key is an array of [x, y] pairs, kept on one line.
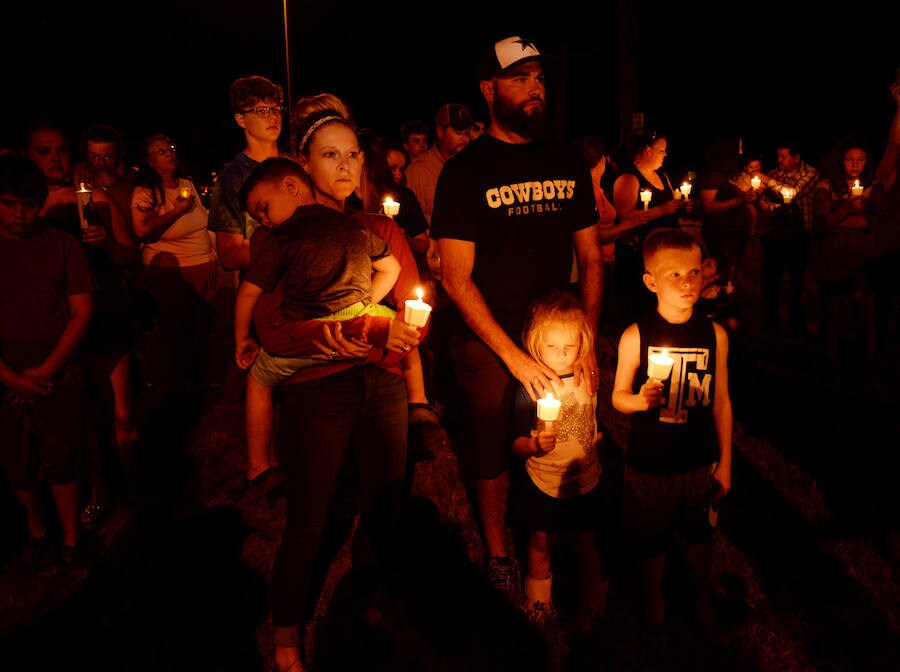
{"points": [[83, 197], [185, 193], [787, 193], [685, 189], [659, 365], [391, 207], [417, 311], [548, 408], [646, 195], [755, 181], [856, 189]]}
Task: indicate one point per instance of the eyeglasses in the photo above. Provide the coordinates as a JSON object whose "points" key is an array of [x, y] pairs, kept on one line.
{"points": [[264, 111], [162, 151]]}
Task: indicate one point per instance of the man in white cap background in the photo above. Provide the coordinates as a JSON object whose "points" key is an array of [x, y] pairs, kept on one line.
{"points": [[508, 209]]}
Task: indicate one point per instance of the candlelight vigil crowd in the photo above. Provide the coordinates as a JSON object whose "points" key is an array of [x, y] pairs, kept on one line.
{"points": [[456, 272]]}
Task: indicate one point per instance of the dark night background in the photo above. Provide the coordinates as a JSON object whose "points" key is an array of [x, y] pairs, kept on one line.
{"points": [[765, 71]]}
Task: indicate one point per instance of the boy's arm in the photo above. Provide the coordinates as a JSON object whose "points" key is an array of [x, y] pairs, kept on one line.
{"points": [[80, 310], [245, 347], [623, 399], [722, 414], [385, 273]]}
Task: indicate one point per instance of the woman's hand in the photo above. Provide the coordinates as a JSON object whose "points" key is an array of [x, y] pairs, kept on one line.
{"points": [[94, 234], [335, 346], [402, 337]]}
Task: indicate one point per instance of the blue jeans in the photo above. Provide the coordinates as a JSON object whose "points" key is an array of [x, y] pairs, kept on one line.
{"points": [[359, 413]]}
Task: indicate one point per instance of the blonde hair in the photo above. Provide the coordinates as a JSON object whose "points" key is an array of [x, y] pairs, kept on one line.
{"points": [[307, 106], [557, 307]]}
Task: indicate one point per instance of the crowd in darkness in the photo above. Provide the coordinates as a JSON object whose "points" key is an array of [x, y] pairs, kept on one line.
{"points": [[528, 249]]}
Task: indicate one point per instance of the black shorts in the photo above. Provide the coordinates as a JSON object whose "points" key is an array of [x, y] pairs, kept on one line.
{"points": [[48, 434], [535, 510], [657, 509]]}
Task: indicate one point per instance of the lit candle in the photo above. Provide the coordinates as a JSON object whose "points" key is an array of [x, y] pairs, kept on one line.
{"points": [[685, 189], [646, 195], [755, 182], [83, 196], [787, 193], [391, 207], [417, 311], [856, 189], [548, 408], [659, 365], [185, 193]]}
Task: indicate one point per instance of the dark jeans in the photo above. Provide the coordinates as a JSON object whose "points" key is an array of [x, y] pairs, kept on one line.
{"points": [[359, 413], [784, 255]]}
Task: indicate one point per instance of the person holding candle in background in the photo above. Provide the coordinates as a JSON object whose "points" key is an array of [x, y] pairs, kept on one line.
{"points": [[561, 490], [726, 209], [678, 455], [784, 234], [499, 249], [636, 217], [108, 348], [179, 268], [842, 240]]}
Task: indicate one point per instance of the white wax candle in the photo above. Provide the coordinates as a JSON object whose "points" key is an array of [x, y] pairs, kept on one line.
{"points": [[787, 193], [685, 189], [646, 195], [755, 181], [659, 365], [83, 196], [856, 189], [548, 408], [391, 207], [417, 311]]}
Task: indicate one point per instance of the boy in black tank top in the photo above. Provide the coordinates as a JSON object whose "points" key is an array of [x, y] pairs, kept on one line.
{"points": [[678, 458]]}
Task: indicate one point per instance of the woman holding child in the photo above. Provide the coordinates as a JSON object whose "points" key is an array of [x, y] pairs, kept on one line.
{"points": [[353, 404]]}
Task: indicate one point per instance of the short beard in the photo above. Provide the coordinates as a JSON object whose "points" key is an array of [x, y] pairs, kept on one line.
{"points": [[532, 125]]}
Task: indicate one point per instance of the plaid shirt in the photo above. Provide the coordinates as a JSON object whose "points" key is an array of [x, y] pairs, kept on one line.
{"points": [[803, 180]]}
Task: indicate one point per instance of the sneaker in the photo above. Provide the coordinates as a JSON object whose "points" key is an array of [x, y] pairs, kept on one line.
{"points": [[503, 574], [542, 614]]}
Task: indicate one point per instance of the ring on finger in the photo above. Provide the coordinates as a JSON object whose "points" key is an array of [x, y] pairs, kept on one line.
{"points": [[405, 347], [333, 354]]}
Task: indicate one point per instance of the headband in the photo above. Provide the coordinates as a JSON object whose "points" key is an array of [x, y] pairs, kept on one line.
{"points": [[315, 126]]}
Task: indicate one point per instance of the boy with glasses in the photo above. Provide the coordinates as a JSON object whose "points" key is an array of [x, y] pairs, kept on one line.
{"points": [[257, 106]]}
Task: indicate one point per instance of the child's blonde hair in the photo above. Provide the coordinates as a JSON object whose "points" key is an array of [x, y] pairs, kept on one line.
{"points": [[556, 307]]}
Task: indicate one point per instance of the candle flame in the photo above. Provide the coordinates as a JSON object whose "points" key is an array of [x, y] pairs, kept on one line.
{"points": [[419, 293], [665, 352], [856, 183], [549, 396]]}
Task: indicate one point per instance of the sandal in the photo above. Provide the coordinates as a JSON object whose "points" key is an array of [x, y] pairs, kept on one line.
{"points": [[423, 414]]}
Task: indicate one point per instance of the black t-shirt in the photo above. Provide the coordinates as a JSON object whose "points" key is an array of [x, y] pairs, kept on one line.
{"points": [[678, 436], [519, 204]]}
